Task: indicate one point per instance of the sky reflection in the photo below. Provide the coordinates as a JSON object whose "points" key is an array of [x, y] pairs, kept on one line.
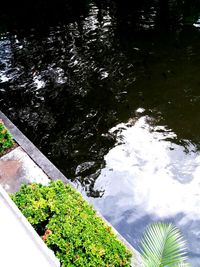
{"points": [[149, 178]]}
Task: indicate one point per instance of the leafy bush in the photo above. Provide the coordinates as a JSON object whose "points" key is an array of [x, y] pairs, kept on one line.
{"points": [[6, 140], [70, 226]]}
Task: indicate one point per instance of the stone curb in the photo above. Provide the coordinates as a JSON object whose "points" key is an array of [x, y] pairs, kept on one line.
{"points": [[34, 153], [52, 171]]}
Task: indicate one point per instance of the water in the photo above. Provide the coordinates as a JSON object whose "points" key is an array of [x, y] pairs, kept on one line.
{"points": [[109, 91]]}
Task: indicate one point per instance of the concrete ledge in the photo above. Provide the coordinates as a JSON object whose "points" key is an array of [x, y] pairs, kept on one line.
{"points": [[20, 245], [33, 152], [52, 172]]}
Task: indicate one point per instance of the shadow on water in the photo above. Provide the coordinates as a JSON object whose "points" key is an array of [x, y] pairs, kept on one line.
{"points": [[109, 91]]}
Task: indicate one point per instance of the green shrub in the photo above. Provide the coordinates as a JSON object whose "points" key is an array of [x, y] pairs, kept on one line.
{"points": [[6, 140], [70, 226]]}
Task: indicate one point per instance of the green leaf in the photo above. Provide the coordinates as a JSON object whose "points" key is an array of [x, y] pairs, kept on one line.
{"points": [[163, 245], [6, 140], [70, 226]]}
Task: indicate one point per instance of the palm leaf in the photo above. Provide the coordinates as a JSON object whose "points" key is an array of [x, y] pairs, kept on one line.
{"points": [[183, 264], [163, 245]]}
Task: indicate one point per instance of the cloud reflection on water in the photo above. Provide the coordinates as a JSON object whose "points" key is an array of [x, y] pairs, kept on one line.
{"points": [[148, 177]]}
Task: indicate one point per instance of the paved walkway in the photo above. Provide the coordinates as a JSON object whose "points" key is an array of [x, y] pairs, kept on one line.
{"points": [[17, 168]]}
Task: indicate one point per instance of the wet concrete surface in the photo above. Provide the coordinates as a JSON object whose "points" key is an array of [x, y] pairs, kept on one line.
{"points": [[9, 170], [17, 168]]}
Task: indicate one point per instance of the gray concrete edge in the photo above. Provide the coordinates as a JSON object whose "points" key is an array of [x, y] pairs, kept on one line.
{"points": [[34, 153], [53, 173], [48, 254]]}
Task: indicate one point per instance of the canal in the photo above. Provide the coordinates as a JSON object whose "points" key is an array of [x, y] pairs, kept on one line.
{"points": [[110, 92]]}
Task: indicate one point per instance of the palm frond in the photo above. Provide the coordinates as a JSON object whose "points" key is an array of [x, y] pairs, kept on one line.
{"points": [[163, 245], [183, 264]]}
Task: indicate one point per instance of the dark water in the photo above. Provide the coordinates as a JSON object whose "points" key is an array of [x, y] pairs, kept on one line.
{"points": [[110, 92]]}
